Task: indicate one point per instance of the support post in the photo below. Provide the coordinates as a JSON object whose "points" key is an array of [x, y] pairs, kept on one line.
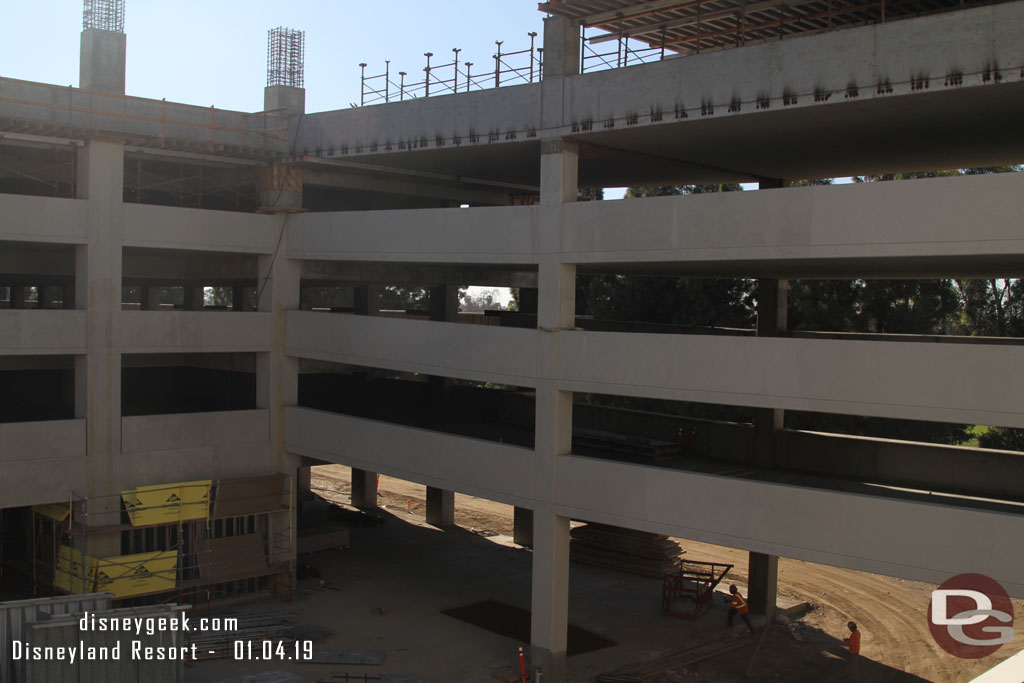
{"points": [[762, 593], [101, 63], [771, 322], [364, 489], [522, 526], [553, 434], [440, 507], [98, 265]]}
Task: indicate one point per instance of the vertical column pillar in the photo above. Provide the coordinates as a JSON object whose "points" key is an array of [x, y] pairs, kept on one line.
{"points": [[553, 437], [561, 47], [150, 298], [98, 372], [101, 63], [238, 298], [45, 295], [366, 300], [364, 489], [277, 374], [771, 322], [522, 526], [194, 298], [440, 507], [17, 296], [763, 573]]}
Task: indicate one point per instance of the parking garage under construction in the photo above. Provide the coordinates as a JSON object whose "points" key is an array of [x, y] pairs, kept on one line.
{"points": [[199, 305]]}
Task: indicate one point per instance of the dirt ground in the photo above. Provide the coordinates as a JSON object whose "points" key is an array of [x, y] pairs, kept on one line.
{"points": [[897, 645]]}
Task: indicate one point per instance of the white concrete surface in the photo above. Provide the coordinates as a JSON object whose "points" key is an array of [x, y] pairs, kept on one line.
{"points": [[938, 217], [34, 332], [165, 227], [496, 471], [472, 235], [180, 431], [900, 538], [42, 219], [920, 381], [479, 352], [195, 331], [41, 462]]}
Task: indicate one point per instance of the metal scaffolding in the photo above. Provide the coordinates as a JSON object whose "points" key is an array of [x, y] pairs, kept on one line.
{"points": [[286, 49], [107, 15]]}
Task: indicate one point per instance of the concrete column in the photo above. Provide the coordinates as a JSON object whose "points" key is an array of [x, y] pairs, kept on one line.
{"points": [[763, 587], [528, 300], [151, 298], [561, 47], [45, 299], [17, 296], [364, 489], [522, 526], [444, 303], [67, 295], [194, 298], [553, 435], [98, 372], [237, 298], [550, 605], [102, 61], [771, 321], [440, 507], [366, 300], [277, 374], [280, 186]]}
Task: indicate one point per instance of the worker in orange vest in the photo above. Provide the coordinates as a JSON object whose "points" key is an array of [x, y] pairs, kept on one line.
{"points": [[737, 605], [853, 659]]}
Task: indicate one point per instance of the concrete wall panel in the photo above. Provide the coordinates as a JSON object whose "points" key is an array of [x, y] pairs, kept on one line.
{"points": [[480, 352], [912, 540], [42, 219], [933, 46], [494, 471], [475, 235], [182, 431], [35, 332], [34, 482], [920, 218], [882, 379], [509, 108], [194, 331], [165, 227], [46, 440]]}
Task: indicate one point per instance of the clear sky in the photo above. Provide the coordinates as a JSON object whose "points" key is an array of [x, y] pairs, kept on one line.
{"points": [[214, 52]]}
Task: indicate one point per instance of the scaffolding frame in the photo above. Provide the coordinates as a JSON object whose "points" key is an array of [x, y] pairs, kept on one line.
{"points": [[191, 540], [106, 15], [286, 50]]}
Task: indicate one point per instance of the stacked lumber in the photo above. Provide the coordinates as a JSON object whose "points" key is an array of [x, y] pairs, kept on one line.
{"points": [[627, 550]]}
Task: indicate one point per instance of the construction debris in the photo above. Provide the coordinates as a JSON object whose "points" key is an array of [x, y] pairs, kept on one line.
{"points": [[627, 550]]}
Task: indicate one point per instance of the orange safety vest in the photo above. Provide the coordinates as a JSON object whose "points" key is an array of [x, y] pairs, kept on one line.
{"points": [[738, 603], [854, 641]]}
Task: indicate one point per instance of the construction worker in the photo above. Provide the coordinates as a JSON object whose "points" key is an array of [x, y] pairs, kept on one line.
{"points": [[853, 658], [737, 605]]}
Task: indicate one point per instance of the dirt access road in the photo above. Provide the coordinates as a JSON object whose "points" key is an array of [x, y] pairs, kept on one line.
{"points": [[891, 612]]}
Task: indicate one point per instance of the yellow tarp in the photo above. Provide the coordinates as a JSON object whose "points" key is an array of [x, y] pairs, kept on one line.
{"points": [[55, 511], [168, 503], [75, 573], [128, 575]]}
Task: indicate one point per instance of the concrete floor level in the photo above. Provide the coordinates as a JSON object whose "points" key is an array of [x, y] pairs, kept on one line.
{"points": [[138, 234]]}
